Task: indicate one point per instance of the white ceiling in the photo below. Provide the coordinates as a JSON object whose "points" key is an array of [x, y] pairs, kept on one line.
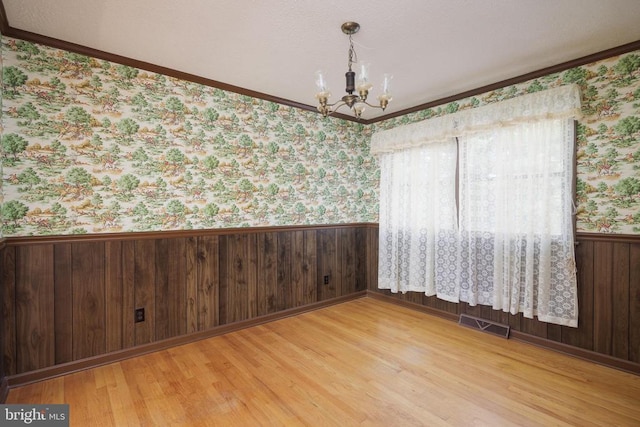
{"points": [[433, 48]]}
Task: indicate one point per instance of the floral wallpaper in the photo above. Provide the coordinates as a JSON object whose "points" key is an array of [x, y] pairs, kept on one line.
{"points": [[608, 138], [90, 146]]}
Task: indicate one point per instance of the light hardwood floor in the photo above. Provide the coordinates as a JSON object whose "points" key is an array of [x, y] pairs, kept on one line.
{"points": [[364, 362]]}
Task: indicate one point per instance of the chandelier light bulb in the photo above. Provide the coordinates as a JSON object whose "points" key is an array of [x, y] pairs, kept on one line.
{"points": [[363, 78], [386, 85], [321, 85]]}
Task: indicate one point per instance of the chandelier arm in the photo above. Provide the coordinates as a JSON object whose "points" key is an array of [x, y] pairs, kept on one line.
{"points": [[329, 109], [336, 104], [371, 105], [339, 104]]}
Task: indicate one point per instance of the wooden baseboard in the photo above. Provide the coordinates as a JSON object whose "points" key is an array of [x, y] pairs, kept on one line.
{"points": [[592, 356], [413, 306], [104, 359], [4, 389]]}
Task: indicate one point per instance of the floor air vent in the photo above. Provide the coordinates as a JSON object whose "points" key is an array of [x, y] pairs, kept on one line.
{"points": [[484, 325]]}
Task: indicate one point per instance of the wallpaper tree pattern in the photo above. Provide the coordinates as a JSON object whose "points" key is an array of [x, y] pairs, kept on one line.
{"points": [[90, 146], [608, 138]]}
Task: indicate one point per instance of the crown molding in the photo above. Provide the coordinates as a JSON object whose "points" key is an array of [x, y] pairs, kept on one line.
{"points": [[7, 30]]}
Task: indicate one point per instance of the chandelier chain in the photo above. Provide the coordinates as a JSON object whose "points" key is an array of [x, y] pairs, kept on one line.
{"points": [[353, 56]]}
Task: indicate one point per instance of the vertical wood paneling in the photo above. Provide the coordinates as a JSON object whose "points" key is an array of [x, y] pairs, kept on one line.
{"points": [[533, 327], [487, 312], [582, 336], [620, 299], [114, 295], [326, 240], [297, 268], [171, 288], [296, 280], [339, 263], [164, 315], [494, 315], [310, 268], [178, 279], [128, 293], [514, 322], [35, 324], [236, 273], [503, 317], [3, 372], [361, 251], [554, 332], [209, 277], [432, 302], [267, 282], [634, 302], [603, 297], [195, 283], [252, 276], [63, 295], [372, 258], [89, 323], [449, 307], [412, 297], [191, 276], [145, 286], [8, 289], [293, 280], [284, 294], [237, 266], [475, 311], [346, 253], [223, 292]]}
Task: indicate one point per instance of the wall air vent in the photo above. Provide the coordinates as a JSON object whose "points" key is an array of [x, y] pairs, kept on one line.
{"points": [[484, 325]]}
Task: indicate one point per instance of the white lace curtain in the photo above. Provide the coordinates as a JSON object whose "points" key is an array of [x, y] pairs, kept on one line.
{"points": [[477, 206]]}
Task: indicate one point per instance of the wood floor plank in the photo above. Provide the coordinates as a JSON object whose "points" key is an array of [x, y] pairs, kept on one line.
{"points": [[363, 362]]}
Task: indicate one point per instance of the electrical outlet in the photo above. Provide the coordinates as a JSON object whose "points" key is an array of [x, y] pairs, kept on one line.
{"points": [[326, 280], [139, 315]]}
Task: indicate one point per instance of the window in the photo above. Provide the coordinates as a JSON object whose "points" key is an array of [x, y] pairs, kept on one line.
{"points": [[477, 207], [525, 160]]}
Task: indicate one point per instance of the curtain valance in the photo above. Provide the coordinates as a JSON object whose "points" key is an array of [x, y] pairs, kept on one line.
{"points": [[561, 102]]}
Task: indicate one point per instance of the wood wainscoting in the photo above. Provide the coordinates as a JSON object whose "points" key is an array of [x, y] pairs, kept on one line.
{"points": [[608, 329], [68, 300], [4, 384]]}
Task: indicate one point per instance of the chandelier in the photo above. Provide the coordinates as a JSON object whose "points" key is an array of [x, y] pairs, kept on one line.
{"points": [[356, 102]]}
